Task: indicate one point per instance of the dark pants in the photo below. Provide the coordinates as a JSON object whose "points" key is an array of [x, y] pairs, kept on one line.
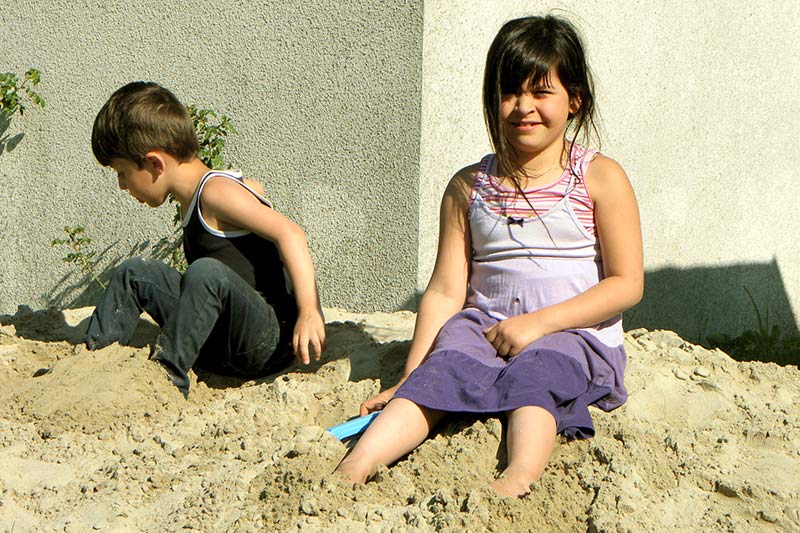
{"points": [[209, 316]]}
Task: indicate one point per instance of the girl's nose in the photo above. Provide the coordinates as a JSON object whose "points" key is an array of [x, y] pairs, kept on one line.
{"points": [[526, 103]]}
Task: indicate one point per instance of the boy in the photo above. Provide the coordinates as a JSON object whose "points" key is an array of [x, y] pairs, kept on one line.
{"points": [[234, 311]]}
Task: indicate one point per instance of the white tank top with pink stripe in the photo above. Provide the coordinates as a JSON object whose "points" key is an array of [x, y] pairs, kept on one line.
{"points": [[521, 261]]}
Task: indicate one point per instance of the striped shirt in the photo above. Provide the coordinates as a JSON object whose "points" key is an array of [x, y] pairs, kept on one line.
{"points": [[506, 201]]}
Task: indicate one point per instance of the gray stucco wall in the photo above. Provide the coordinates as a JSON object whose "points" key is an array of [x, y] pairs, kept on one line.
{"points": [[699, 103], [325, 97], [356, 114]]}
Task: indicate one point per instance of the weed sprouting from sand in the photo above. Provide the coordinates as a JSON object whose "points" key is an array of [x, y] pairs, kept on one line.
{"points": [[80, 253], [764, 343]]}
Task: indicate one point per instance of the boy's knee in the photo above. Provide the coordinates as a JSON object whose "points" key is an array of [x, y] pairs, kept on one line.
{"points": [[131, 267], [205, 271]]}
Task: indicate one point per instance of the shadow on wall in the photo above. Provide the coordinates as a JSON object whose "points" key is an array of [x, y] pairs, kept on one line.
{"points": [[7, 143], [79, 289], [698, 302]]}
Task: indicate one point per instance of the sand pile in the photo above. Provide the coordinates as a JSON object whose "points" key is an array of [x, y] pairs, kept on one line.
{"points": [[101, 440]]}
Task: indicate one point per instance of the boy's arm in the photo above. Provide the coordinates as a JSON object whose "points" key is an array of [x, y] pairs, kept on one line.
{"points": [[619, 233], [228, 205]]}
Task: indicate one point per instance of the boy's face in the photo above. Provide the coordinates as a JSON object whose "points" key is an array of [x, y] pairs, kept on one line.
{"points": [[141, 183]]}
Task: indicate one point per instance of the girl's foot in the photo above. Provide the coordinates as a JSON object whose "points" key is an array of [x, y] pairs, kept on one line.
{"points": [[353, 471], [511, 484]]}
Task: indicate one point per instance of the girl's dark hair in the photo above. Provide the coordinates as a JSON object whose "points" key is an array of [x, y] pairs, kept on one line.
{"points": [[524, 51], [140, 117]]}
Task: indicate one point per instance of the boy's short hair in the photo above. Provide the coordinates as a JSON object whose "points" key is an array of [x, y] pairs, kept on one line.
{"points": [[141, 117]]}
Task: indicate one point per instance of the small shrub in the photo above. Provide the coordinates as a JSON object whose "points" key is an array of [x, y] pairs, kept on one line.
{"points": [[212, 130], [15, 94], [79, 255]]}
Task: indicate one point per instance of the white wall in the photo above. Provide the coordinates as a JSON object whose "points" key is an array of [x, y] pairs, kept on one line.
{"points": [[699, 102], [357, 113]]}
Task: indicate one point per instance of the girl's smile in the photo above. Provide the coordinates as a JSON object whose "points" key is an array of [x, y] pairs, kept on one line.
{"points": [[525, 125], [535, 118]]}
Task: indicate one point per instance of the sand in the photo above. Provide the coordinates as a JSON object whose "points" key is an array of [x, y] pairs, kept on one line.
{"points": [[101, 440]]}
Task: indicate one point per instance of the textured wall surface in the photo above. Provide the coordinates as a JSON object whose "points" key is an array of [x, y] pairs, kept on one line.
{"points": [[325, 97], [699, 103], [355, 114]]}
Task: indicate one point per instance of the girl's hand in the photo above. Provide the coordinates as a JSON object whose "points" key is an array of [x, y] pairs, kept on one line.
{"points": [[510, 336], [378, 402], [309, 330]]}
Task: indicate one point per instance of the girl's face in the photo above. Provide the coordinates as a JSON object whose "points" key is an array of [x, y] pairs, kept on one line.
{"points": [[535, 119]]}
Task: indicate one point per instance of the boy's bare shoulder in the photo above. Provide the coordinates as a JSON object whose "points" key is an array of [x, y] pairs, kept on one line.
{"points": [[255, 185], [221, 187]]}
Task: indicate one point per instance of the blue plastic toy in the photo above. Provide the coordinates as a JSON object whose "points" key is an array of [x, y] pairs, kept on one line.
{"points": [[352, 427]]}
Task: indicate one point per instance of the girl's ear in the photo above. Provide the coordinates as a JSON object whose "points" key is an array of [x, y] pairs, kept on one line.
{"points": [[574, 105]]}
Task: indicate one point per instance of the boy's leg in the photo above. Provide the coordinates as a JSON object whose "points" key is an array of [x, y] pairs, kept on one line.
{"points": [[401, 427], [530, 441], [221, 317], [137, 285]]}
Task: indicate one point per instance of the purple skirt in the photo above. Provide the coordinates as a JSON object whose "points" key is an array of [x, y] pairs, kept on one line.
{"points": [[563, 373]]}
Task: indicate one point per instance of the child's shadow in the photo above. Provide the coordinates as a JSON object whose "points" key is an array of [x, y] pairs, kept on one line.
{"points": [[368, 359], [55, 325]]}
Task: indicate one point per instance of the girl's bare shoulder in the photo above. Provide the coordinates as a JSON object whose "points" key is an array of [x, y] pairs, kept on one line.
{"points": [[604, 174], [462, 181]]}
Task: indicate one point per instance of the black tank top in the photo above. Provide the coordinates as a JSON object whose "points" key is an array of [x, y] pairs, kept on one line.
{"points": [[253, 257]]}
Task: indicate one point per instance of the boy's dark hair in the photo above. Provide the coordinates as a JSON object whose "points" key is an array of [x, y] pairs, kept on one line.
{"points": [[140, 117], [525, 50]]}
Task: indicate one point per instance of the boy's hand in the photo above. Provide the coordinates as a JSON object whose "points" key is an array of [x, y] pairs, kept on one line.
{"points": [[510, 336], [309, 330]]}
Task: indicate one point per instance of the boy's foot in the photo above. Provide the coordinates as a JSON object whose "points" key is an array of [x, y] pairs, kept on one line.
{"points": [[174, 379]]}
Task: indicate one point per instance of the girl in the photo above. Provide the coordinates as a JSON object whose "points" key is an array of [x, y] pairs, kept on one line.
{"points": [[539, 253]]}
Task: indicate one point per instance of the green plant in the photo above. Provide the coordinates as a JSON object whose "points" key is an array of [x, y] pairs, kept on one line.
{"points": [[80, 255], [764, 343], [15, 94], [212, 130]]}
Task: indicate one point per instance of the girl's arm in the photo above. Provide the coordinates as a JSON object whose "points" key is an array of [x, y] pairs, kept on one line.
{"points": [[447, 288], [619, 232], [226, 206]]}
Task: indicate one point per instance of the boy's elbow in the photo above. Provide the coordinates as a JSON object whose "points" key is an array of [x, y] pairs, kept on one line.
{"points": [[292, 236]]}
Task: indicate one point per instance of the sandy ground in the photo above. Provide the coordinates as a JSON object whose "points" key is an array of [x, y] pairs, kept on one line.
{"points": [[101, 440]]}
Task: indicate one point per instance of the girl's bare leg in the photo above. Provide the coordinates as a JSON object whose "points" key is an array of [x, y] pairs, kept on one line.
{"points": [[530, 441], [401, 427]]}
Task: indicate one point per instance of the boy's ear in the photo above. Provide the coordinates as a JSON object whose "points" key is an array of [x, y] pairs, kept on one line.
{"points": [[157, 161]]}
